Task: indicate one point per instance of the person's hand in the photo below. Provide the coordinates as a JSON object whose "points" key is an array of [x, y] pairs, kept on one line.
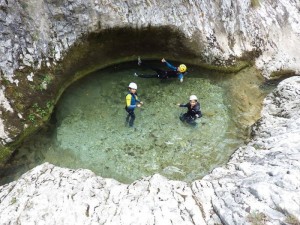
{"points": [[178, 104], [181, 80], [139, 105], [163, 60], [142, 103], [197, 115]]}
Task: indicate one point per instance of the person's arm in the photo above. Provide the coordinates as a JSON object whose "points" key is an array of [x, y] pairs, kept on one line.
{"points": [[128, 102], [198, 113], [182, 105], [139, 101], [169, 65], [180, 77]]}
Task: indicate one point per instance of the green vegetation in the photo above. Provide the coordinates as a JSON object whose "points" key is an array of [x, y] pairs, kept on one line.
{"points": [[24, 5], [31, 118], [45, 81], [40, 112], [257, 218], [293, 220], [282, 74], [4, 154], [255, 3], [13, 200]]}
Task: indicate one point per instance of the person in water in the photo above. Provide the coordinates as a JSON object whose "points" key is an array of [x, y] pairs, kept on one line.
{"points": [[132, 102], [174, 72], [193, 112]]}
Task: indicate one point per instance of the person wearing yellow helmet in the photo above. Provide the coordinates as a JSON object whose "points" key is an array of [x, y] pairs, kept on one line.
{"points": [[174, 72], [193, 112]]}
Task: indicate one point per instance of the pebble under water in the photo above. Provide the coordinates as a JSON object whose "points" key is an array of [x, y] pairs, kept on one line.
{"points": [[90, 132]]}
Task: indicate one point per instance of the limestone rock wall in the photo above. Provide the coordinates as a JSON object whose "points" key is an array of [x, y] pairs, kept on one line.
{"points": [[36, 32]]}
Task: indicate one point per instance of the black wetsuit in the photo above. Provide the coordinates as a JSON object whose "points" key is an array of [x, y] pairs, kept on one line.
{"points": [[163, 74], [190, 115]]}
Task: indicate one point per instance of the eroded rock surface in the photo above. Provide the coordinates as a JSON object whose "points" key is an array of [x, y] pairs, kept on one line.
{"points": [[259, 184], [53, 195], [36, 32]]}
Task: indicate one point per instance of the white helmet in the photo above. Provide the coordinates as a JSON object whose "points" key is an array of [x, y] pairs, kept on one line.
{"points": [[193, 97], [132, 85]]}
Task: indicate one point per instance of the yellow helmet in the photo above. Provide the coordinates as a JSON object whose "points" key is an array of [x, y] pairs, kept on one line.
{"points": [[182, 68]]}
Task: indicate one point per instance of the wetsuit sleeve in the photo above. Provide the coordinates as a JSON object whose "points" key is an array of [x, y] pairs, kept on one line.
{"points": [[137, 99], [128, 102], [180, 76], [198, 111], [171, 66], [183, 105]]}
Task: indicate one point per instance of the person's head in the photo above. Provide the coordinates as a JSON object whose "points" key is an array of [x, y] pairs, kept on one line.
{"points": [[132, 87], [193, 100], [181, 68]]}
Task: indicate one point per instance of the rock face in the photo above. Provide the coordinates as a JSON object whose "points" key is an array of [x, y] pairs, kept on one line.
{"points": [[52, 195], [36, 32], [259, 185]]}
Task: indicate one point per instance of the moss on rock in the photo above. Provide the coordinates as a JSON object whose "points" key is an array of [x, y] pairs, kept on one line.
{"points": [[5, 153]]}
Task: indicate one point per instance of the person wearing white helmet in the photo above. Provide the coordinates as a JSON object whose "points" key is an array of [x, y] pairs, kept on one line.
{"points": [[193, 112], [174, 72], [131, 102]]}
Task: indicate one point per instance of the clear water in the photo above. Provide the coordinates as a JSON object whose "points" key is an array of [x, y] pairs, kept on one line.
{"points": [[89, 129]]}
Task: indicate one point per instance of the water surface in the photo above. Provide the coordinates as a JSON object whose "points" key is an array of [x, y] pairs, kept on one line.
{"points": [[88, 127]]}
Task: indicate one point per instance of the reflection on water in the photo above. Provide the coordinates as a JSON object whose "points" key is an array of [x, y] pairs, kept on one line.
{"points": [[90, 132]]}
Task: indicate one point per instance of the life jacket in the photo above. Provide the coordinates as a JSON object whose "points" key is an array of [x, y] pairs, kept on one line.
{"points": [[130, 101]]}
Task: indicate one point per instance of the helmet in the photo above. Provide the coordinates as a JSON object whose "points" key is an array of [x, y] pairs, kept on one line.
{"points": [[193, 97], [182, 68], [132, 85]]}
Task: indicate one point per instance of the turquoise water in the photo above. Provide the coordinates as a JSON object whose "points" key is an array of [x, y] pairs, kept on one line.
{"points": [[88, 127]]}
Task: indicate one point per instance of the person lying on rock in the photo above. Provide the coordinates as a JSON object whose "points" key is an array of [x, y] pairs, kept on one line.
{"points": [[174, 72]]}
